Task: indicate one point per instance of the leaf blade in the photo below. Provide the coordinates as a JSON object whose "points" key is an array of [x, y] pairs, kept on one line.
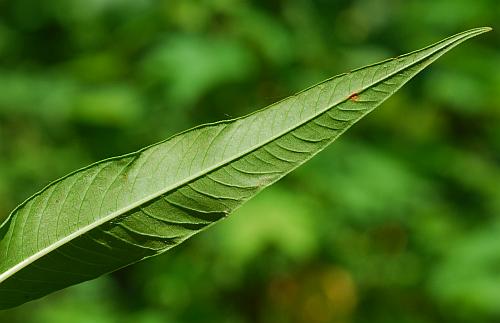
{"points": [[152, 200]]}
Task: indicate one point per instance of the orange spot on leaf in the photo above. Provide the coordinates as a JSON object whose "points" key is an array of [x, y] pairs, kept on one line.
{"points": [[354, 97]]}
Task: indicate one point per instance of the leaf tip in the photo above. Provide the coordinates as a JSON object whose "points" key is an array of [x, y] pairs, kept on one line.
{"points": [[478, 31]]}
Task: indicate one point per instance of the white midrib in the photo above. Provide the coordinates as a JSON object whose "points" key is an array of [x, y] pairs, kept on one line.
{"points": [[444, 46]]}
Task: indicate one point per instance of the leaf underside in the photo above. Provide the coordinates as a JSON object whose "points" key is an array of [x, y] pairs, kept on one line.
{"points": [[121, 210]]}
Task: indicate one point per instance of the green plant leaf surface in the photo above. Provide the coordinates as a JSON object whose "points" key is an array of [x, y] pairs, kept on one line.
{"points": [[118, 211]]}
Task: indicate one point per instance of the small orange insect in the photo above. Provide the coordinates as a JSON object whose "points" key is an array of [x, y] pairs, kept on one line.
{"points": [[354, 97]]}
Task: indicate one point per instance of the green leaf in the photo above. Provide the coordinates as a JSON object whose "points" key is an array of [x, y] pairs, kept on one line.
{"points": [[124, 209]]}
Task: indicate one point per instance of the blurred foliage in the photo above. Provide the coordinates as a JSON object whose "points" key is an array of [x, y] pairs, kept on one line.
{"points": [[397, 222]]}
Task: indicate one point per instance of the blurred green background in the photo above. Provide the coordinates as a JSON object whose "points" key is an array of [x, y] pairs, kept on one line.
{"points": [[398, 221]]}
